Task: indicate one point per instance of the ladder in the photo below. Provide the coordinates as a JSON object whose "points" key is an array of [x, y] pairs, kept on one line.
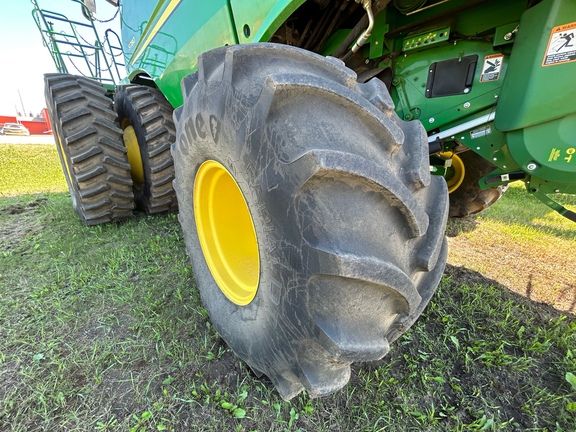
{"points": [[70, 45]]}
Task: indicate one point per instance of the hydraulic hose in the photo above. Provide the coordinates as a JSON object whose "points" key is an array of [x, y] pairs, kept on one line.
{"points": [[367, 5]]}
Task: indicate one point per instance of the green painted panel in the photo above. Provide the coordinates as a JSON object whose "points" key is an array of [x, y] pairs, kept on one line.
{"points": [[547, 150], [533, 93], [469, 18], [164, 38], [411, 74], [262, 18]]}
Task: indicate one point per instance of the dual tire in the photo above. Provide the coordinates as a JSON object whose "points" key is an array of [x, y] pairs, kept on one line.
{"points": [[90, 147], [145, 117], [315, 230], [109, 172]]}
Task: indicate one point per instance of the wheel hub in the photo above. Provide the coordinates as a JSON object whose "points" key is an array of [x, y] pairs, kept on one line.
{"points": [[226, 233], [455, 174]]}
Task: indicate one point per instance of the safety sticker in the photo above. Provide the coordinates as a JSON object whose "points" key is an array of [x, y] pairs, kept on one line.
{"points": [[561, 46], [492, 67]]}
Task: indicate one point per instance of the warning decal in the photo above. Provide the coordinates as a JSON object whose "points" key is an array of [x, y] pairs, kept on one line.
{"points": [[561, 46], [492, 67]]}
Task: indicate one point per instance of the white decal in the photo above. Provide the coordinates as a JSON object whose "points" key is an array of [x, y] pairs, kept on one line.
{"points": [[492, 67], [561, 46]]}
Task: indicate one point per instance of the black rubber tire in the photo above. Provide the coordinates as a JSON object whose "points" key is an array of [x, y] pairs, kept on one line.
{"points": [[469, 199], [90, 147], [349, 223], [150, 114]]}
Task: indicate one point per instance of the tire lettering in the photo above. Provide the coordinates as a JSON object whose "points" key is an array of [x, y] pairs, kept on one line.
{"points": [[190, 131], [215, 128], [200, 126], [184, 145]]}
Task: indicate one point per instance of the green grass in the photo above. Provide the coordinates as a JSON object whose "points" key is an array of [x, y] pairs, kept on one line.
{"points": [[524, 245], [30, 168], [101, 328]]}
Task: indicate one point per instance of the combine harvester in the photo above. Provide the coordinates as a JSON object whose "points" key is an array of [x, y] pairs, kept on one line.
{"points": [[317, 149]]}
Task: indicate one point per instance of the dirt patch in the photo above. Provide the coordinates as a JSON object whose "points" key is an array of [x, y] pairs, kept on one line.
{"points": [[15, 227], [541, 272]]}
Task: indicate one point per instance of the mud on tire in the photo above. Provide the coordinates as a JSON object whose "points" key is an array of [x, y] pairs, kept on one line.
{"points": [[145, 113], [349, 224], [90, 148]]}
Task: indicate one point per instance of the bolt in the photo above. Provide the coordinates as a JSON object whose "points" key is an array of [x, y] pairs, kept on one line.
{"points": [[504, 166], [467, 105], [477, 148], [466, 90], [557, 190], [531, 166], [366, 61], [431, 120], [495, 96]]}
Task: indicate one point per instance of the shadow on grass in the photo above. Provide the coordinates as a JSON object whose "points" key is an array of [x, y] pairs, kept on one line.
{"points": [[463, 275], [456, 227]]}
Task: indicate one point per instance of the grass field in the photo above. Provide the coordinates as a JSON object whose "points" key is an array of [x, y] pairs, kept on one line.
{"points": [[101, 328]]}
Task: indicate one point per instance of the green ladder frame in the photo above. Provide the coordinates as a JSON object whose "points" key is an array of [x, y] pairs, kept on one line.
{"points": [[68, 47]]}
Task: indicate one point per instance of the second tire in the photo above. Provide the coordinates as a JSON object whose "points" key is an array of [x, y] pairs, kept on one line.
{"points": [[148, 132]]}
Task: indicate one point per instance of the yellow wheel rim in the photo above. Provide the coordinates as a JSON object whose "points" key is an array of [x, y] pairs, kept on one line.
{"points": [[134, 157], [455, 174], [226, 233]]}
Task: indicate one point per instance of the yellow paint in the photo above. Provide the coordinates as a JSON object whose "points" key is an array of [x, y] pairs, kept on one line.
{"points": [[167, 12], [226, 233]]}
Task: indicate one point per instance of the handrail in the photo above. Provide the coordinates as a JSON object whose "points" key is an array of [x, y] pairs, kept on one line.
{"points": [[68, 39]]}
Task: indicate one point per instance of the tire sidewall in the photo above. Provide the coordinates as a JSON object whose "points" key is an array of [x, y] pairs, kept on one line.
{"points": [[242, 327]]}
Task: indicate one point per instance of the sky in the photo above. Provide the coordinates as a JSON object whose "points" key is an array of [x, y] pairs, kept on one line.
{"points": [[23, 58]]}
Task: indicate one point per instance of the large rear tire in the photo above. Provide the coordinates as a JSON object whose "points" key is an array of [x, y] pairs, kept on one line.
{"points": [[90, 148], [315, 231], [148, 132], [468, 198]]}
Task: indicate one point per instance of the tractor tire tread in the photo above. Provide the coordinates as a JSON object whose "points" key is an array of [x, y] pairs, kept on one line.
{"points": [[351, 193], [90, 143], [151, 116]]}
